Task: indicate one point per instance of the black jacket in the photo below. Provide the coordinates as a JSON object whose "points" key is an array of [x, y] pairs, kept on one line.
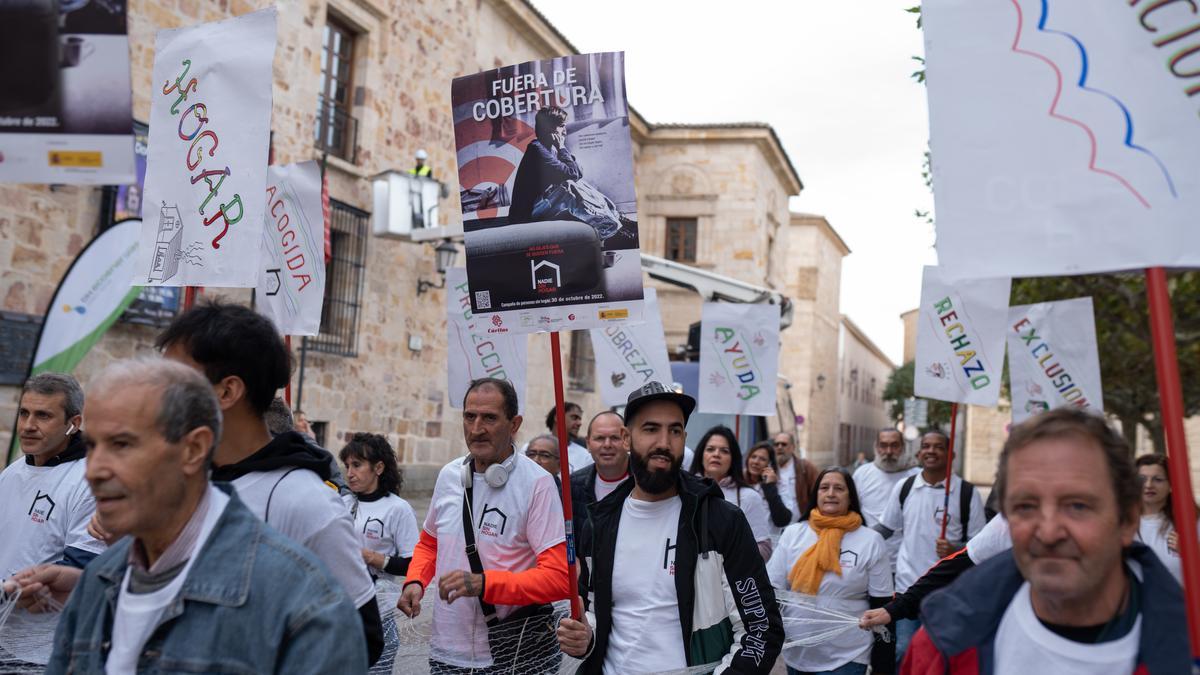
{"points": [[726, 532]]}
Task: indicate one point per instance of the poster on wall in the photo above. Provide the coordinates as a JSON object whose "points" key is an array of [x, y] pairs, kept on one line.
{"points": [[545, 168], [65, 93], [1052, 357], [472, 352], [291, 286], [960, 338], [1063, 135], [127, 203], [739, 358], [210, 121], [630, 355]]}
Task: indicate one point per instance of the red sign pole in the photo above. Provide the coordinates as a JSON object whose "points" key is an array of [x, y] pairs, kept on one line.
{"points": [[287, 391], [189, 297], [950, 471], [1170, 394], [560, 425]]}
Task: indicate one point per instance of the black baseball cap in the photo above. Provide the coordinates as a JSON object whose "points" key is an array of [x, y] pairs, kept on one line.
{"points": [[657, 391]]}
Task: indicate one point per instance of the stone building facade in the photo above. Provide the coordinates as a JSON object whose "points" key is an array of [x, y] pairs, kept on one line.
{"points": [[862, 410], [714, 196]]}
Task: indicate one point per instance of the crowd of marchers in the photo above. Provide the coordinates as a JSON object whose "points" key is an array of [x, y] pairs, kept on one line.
{"points": [[177, 518]]}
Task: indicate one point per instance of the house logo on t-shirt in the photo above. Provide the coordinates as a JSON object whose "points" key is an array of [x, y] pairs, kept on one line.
{"points": [[669, 556], [492, 521], [937, 515], [41, 508], [373, 529], [848, 559]]}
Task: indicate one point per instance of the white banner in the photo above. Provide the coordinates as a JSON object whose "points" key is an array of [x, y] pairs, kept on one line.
{"points": [[1052, 357], [629, 356], [1064, 135], [739, 358], [473, 351], [291, 285], [210, 125], [960, 338]]}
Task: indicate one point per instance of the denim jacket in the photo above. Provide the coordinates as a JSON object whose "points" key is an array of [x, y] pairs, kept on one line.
{"points": [[253, 602]]}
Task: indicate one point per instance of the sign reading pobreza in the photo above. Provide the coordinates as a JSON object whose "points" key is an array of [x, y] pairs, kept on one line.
{"points": [[472, 352], [545, 170], [1064, 135], [210, 122], [1052, 357], [629, 356], [739, 358], [960, 338], [291, 286]]}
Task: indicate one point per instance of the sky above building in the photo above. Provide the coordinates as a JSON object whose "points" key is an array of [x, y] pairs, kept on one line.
{"points": [[833, 79]]}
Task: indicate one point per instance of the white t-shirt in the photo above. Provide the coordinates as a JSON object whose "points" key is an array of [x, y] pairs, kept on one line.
{"points": [[920, 524], [875, 487], [1151, 534], [1023, 646], [646, 635], [787, 487], [754, 505], [43, 511], [866, 571], [992, 540], [513, 525], [139, 614], [387, 525], [605, 488], [307, 511]]}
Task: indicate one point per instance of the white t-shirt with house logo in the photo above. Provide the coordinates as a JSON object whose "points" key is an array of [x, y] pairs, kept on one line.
{"points": [[920, 524], [387, 525], [43, 511]]}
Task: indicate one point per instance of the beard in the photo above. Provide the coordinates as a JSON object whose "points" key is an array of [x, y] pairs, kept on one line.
{"points": [[889, 464], [654, 481]]}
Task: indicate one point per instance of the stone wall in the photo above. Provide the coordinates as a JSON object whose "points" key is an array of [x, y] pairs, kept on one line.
{"points": [[861, 408]]}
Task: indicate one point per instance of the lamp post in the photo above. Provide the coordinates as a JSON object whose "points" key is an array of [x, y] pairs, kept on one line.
{"points": [[446, 253]]}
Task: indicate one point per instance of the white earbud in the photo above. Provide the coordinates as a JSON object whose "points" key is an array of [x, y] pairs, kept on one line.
{"points": [[71, 428]]}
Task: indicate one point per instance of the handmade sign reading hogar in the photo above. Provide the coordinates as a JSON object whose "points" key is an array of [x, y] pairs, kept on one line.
{"points": [[472, 351], [1052, 357], [739, 358], [1064, 135], [960, 338], [545, 169], [291, 287], [210, 122], [628, 356]]}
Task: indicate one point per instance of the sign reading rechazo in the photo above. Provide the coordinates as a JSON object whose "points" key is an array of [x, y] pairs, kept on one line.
{"points": [[472, 352], [628, 356], [1052, 357], [960, 338], [739, 358], [545, 169], [210, 122]]}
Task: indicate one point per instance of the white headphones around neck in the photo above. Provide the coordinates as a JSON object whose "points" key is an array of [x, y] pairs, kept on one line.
{"points": [[496, 475]]}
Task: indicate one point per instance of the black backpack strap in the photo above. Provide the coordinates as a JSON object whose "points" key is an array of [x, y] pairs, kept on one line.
{"points": [[964, 507], [267, 513], [489, 610], [905, 488]]}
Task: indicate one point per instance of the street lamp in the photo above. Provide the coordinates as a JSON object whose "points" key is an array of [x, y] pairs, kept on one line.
{"points": [[446, 254]]}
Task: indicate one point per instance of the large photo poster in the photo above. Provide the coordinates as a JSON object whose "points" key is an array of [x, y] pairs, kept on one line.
{"points": [[628, 356], [472, 352], [739, 358], [960, 338], [1063, 135], [65, 93], [545, 169], [1053, 360], [291, 288], [210, 122]]}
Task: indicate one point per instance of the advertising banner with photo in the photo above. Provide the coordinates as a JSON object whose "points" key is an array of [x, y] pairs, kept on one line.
{"points": [[739, 358], [1063, 135], [545, 170], [960, 338], [210, 124], [1052, 357], [291, 285], [630, 355], [472, 352], [65, 93]]}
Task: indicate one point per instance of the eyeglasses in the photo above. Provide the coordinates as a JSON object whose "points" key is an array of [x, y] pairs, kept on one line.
{"points": [[545, 456], [781, 444]]}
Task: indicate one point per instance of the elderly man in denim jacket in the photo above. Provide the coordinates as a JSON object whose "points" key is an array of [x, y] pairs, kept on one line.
{"points": [[201, 584]]}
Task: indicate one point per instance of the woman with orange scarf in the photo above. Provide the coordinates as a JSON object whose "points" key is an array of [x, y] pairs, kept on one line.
{"points": [[844, 566]]}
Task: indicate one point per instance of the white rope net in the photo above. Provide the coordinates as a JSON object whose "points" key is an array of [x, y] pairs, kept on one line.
{"points": [[806, 624], [26, 639]]}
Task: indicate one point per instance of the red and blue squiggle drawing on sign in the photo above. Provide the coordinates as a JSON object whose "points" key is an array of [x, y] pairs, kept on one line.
{"points": [[1082, 84]]}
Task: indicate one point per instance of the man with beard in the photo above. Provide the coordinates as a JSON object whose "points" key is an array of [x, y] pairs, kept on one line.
{"points": [[657, 547], [914, 512], [876, 480]]}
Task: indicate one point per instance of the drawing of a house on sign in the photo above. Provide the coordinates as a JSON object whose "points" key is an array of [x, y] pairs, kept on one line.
{"points": [[164, 263]]}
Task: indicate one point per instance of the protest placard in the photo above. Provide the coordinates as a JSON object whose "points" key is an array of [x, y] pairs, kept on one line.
{"points": [[472, 352], [739, 358], [1052, 357], [628, 356], [291, 287]]}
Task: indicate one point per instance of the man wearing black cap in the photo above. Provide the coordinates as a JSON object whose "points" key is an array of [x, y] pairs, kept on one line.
{"points": [[657, 547]]}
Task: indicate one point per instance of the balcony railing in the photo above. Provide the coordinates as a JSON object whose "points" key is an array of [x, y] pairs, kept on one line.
{"points": [[336, 130]]}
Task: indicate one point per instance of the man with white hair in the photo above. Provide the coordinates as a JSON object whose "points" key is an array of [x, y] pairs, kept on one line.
{"points": [[197, 581], [875, 481]]}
